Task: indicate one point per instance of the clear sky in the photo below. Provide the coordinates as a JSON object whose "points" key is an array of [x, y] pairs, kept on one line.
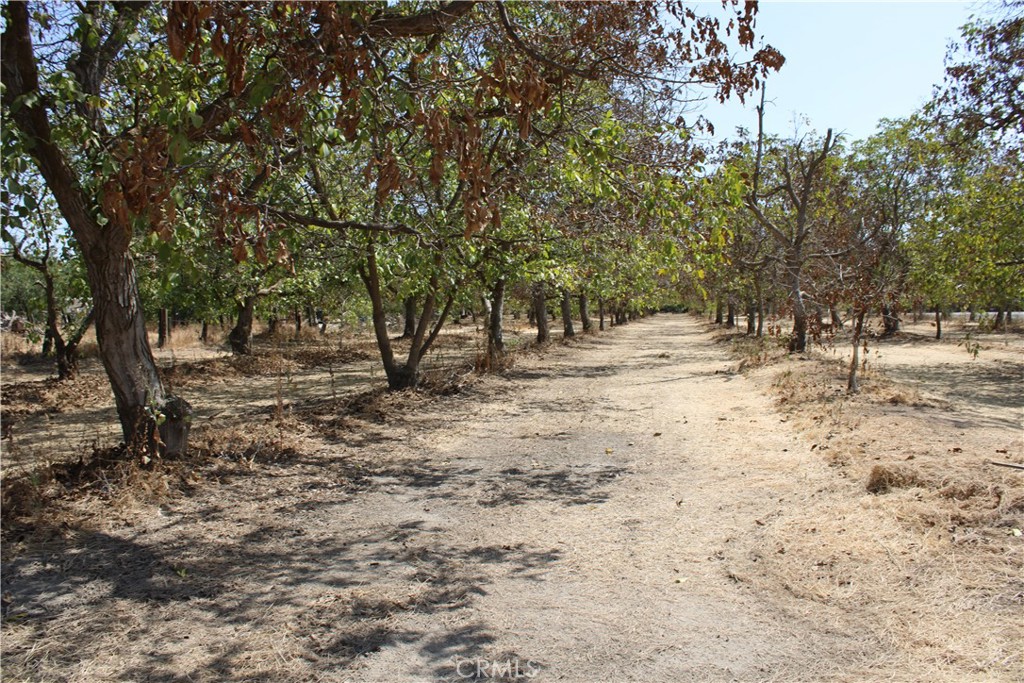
{"points": [[848, 64]]}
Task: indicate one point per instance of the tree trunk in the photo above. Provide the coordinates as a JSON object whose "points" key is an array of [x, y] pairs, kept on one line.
{"points": [[730, 315], [600, 313], [760, 309], [163, 329], [568, 329], [272, 324], [404, 376], [495, 332], [240, 337], [837, 321], [47, 342], [297, 315], [141, 402], [584, 305], [204, 335], [853, 381], [67, 351], [751, 313], [938, 323], [718, 312], [410, 318], [798, 342], [540, 312], [890, 320]]}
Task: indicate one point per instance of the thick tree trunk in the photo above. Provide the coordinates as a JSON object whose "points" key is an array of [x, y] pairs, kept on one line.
{"points": [[495, 331], [938, 323], [410, 318], [584, 305], [719, 312], [730, 315], [567, 327], [204, 335], [540, 312], [751, 313], [128, 359], [240, 337], [600, 313], [297, 315], [163, 329]]}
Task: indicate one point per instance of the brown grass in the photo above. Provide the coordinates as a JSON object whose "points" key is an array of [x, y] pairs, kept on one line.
{"points": [[941, 567]]}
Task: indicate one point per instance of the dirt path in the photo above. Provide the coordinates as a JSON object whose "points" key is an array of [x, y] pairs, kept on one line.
{"points": [[604, 514]]}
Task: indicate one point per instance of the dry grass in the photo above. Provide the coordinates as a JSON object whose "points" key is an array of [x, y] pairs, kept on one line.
{"points": [[927, 542]]}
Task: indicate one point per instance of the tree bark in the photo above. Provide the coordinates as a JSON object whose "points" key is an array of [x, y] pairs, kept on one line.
{"points": [[163, 329], [540, 312], [890, 320], [410, 317], [567, 327], [718, 312], [495, 331], [240, 337], [730, 315], [600, 312], [584, 304], [798, 342], [938, 323], [853, 381]]}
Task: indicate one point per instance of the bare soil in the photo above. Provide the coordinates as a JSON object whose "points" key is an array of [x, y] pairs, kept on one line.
{"points": [[639, 505]]}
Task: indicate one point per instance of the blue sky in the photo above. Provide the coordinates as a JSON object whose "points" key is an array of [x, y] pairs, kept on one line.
{"points": [[848, 64]]}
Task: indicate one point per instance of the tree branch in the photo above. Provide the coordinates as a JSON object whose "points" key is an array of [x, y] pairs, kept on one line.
{"points": [[302, 219]]}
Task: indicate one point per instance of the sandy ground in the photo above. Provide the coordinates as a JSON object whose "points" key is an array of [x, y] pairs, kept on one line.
{"points": [[628, 507]]}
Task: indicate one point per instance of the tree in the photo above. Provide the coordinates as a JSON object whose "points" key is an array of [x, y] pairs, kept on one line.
{"points": [[792, 208], [118, 100], [984, 79]]}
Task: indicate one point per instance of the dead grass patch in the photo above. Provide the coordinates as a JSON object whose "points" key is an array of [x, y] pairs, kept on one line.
{"points": [[941, 568], [56, 495], [51, 395], [884, 478]]}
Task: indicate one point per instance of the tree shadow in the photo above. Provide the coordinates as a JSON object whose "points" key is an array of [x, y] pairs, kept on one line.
{"points": [[564, 486], [340, 596]]}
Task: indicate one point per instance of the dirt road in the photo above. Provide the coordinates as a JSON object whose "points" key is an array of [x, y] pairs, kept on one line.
{"points": [[603, 513]]}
